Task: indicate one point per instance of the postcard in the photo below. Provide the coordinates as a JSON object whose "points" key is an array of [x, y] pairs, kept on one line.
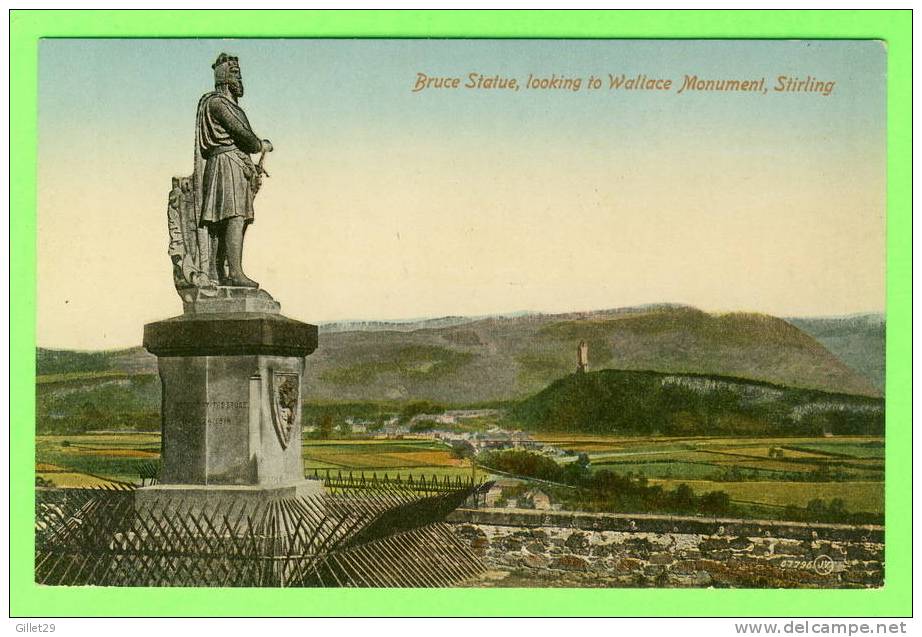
{"points": [[468, 313]]}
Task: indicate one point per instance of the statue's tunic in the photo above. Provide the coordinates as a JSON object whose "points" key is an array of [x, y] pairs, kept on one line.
{"points": [[224, 142]]}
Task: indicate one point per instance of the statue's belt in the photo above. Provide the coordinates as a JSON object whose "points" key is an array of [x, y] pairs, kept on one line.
{"points": [[217, 150], [237, 156]]}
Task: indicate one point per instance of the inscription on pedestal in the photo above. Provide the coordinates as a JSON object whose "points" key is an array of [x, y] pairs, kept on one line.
{"points": [[231, 420]]}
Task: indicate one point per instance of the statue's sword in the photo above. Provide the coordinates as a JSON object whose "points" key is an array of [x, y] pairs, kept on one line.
{"points": [[259, 167]]}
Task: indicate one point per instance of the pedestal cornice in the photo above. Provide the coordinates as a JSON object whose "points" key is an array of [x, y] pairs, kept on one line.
{"points": [[230, 334]]}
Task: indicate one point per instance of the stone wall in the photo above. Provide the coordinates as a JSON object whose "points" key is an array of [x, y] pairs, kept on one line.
{"points": [[564, 556]]}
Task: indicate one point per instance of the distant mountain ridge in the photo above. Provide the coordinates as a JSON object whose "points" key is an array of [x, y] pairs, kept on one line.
{"points": [[858, 339], [409, 325], [463, 360]]}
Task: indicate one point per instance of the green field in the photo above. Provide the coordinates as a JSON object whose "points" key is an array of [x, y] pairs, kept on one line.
{"points": [[392, 457], [771, 472], [858, 496], [120, 457], [856, 449], [749, 470], [115, 456]]}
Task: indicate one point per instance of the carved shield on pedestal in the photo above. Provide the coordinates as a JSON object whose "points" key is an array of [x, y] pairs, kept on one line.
{"points": [[286, 404]]}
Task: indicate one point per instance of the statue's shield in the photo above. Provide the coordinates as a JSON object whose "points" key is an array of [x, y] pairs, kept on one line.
{"points": [[286, 404]]}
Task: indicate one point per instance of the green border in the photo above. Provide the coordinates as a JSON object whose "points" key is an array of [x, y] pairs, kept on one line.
{"points": [[28, 599]]}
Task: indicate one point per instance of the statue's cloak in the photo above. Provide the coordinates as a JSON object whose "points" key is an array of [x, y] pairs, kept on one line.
{"points": [[198, 187]]}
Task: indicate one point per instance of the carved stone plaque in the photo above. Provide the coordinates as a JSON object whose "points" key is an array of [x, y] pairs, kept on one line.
{"points": [[286, 404]]}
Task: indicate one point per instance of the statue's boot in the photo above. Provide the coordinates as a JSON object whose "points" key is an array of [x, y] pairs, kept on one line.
{"points": [[241, 281], [233, 241]]}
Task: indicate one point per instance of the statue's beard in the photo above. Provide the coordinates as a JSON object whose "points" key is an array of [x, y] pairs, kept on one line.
{"points": [[236, 89]]}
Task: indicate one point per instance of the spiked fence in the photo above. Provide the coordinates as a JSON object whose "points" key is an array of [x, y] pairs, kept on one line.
{"points": [[338, 480], [149, 473], [360, 537]]}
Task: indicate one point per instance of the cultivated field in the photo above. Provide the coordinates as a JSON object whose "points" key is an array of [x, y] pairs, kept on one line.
{"points": [[772, 472], [96, 457], [85, 460], [857, 496], [767, 472], [392, 457]]}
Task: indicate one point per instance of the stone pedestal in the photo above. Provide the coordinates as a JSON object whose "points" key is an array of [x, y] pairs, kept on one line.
{"points": [[231, 369]]}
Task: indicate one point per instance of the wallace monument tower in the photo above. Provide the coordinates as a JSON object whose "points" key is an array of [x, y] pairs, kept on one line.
{"points": [[231, 365]]}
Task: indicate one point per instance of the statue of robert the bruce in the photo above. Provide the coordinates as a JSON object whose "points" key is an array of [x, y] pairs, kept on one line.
{"points": [[225, 179]]}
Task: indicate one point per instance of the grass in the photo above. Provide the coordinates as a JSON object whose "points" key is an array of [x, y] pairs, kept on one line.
{"points": [[858, 496], [117, 453], [130, 439], [66, 377], [74, 480], [660, 469], [852, 465], [72, 404], [369, 461], [419, 362], [582, 442], [116, 456], [371, 446], [848, 467], [763, 452], [540, 369], [378, 454], [868, 449], [98, 454]]}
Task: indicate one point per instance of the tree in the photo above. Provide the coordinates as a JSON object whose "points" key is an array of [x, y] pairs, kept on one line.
{"points": [[684, 497], [419, 407], [462, 449], [816, 507], [577, 472], [325, 427], [836, 508], [715, 502], [423, 425]]}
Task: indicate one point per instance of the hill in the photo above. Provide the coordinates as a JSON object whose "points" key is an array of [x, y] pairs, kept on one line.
{"points": [[643, 402], [858, 340], [465, 361], [502, 358]]}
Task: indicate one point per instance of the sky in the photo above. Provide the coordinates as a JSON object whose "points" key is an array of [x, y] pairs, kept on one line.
{"points": [[385, 203]]}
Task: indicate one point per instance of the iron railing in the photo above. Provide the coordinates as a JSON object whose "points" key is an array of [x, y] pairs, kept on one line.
{"points": [[338, 480], [373, 536]]}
